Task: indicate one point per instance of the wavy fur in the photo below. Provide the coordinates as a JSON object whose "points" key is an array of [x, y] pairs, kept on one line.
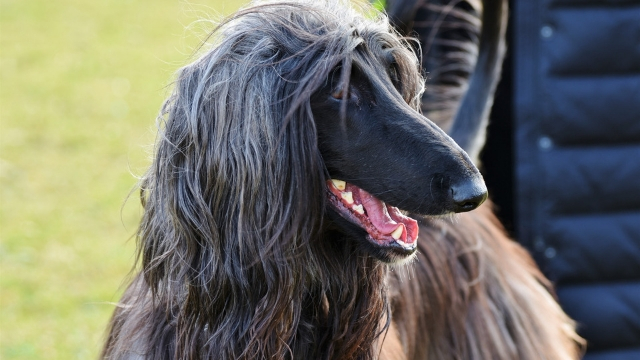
{"points": [[238, 258], [476, 294]]}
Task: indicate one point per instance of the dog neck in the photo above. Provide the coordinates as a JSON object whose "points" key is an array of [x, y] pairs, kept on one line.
{"points": [[346, 307]]}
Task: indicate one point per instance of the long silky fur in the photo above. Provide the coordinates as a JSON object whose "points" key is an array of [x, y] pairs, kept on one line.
{"points": [[473, 293], [449, 33], [238, 260], [463, 45], [236, 263]]}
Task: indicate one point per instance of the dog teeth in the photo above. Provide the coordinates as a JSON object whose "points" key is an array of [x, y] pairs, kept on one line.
{"points": [[358, 208], [406, 245], [347, 196], [339, 184], [397, 233]]}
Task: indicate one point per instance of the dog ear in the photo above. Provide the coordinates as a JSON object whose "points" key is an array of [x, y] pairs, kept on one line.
{"points": [[461, 74], [401, 13], [231, 172], [471, 120], [231, 199]]}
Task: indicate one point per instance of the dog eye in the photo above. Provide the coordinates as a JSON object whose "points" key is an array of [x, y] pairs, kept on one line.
{"points": [[393, 72], [339, 94], [394, 75], [350, 95]]}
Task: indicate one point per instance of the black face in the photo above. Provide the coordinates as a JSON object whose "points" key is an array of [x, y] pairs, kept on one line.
{"points": [[388, 149]]}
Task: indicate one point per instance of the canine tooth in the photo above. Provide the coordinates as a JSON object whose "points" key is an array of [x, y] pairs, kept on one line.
{"points": [[358, 208], [339, 184], [347, 196], [397, 233]]}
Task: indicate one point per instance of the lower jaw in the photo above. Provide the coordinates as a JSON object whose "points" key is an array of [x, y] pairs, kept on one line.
{"points": [[392, 252], [390, 243], [389, 252]]}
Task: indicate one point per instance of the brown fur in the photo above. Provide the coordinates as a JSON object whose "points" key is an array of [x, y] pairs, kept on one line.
{"points": [[475, 294], [238, 259], [472, 293]]}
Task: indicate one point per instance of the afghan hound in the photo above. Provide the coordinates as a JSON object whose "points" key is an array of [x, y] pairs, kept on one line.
{"points": [[299, 206]]}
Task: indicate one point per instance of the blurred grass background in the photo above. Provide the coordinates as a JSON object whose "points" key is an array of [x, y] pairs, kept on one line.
{"points": [[80, 85]]}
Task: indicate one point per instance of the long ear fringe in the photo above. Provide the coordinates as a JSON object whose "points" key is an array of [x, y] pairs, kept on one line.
{"points": [[233, 201]]}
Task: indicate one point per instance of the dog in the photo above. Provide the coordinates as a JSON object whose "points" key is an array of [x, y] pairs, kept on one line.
{"points": [[299, 206]]}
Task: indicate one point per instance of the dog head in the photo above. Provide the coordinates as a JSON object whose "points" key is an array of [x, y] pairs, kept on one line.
{"points": [[291, 96], [298, 109], [382, 156]]}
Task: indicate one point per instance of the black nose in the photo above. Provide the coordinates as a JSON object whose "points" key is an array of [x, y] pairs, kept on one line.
{"points": [[468, 195]]}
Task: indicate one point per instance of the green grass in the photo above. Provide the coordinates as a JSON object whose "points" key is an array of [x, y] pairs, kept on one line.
{"points": [[80, 85]]}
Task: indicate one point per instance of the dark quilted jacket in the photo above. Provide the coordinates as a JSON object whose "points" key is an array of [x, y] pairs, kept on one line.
{"points": [[576, 112]]}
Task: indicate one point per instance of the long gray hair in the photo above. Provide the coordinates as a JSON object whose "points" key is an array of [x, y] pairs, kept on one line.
{"points": [[238, 261], [230, 241]]}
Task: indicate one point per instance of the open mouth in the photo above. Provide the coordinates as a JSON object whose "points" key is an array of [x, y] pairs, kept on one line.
{"points": [[385, 224]]}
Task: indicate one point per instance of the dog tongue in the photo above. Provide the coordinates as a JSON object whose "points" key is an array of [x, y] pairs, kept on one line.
{"points": [[383, 222], [378, 213]]}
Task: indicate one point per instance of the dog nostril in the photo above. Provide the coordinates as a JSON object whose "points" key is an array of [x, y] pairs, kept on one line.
{"points": [[469, 205], [468, 195]]}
